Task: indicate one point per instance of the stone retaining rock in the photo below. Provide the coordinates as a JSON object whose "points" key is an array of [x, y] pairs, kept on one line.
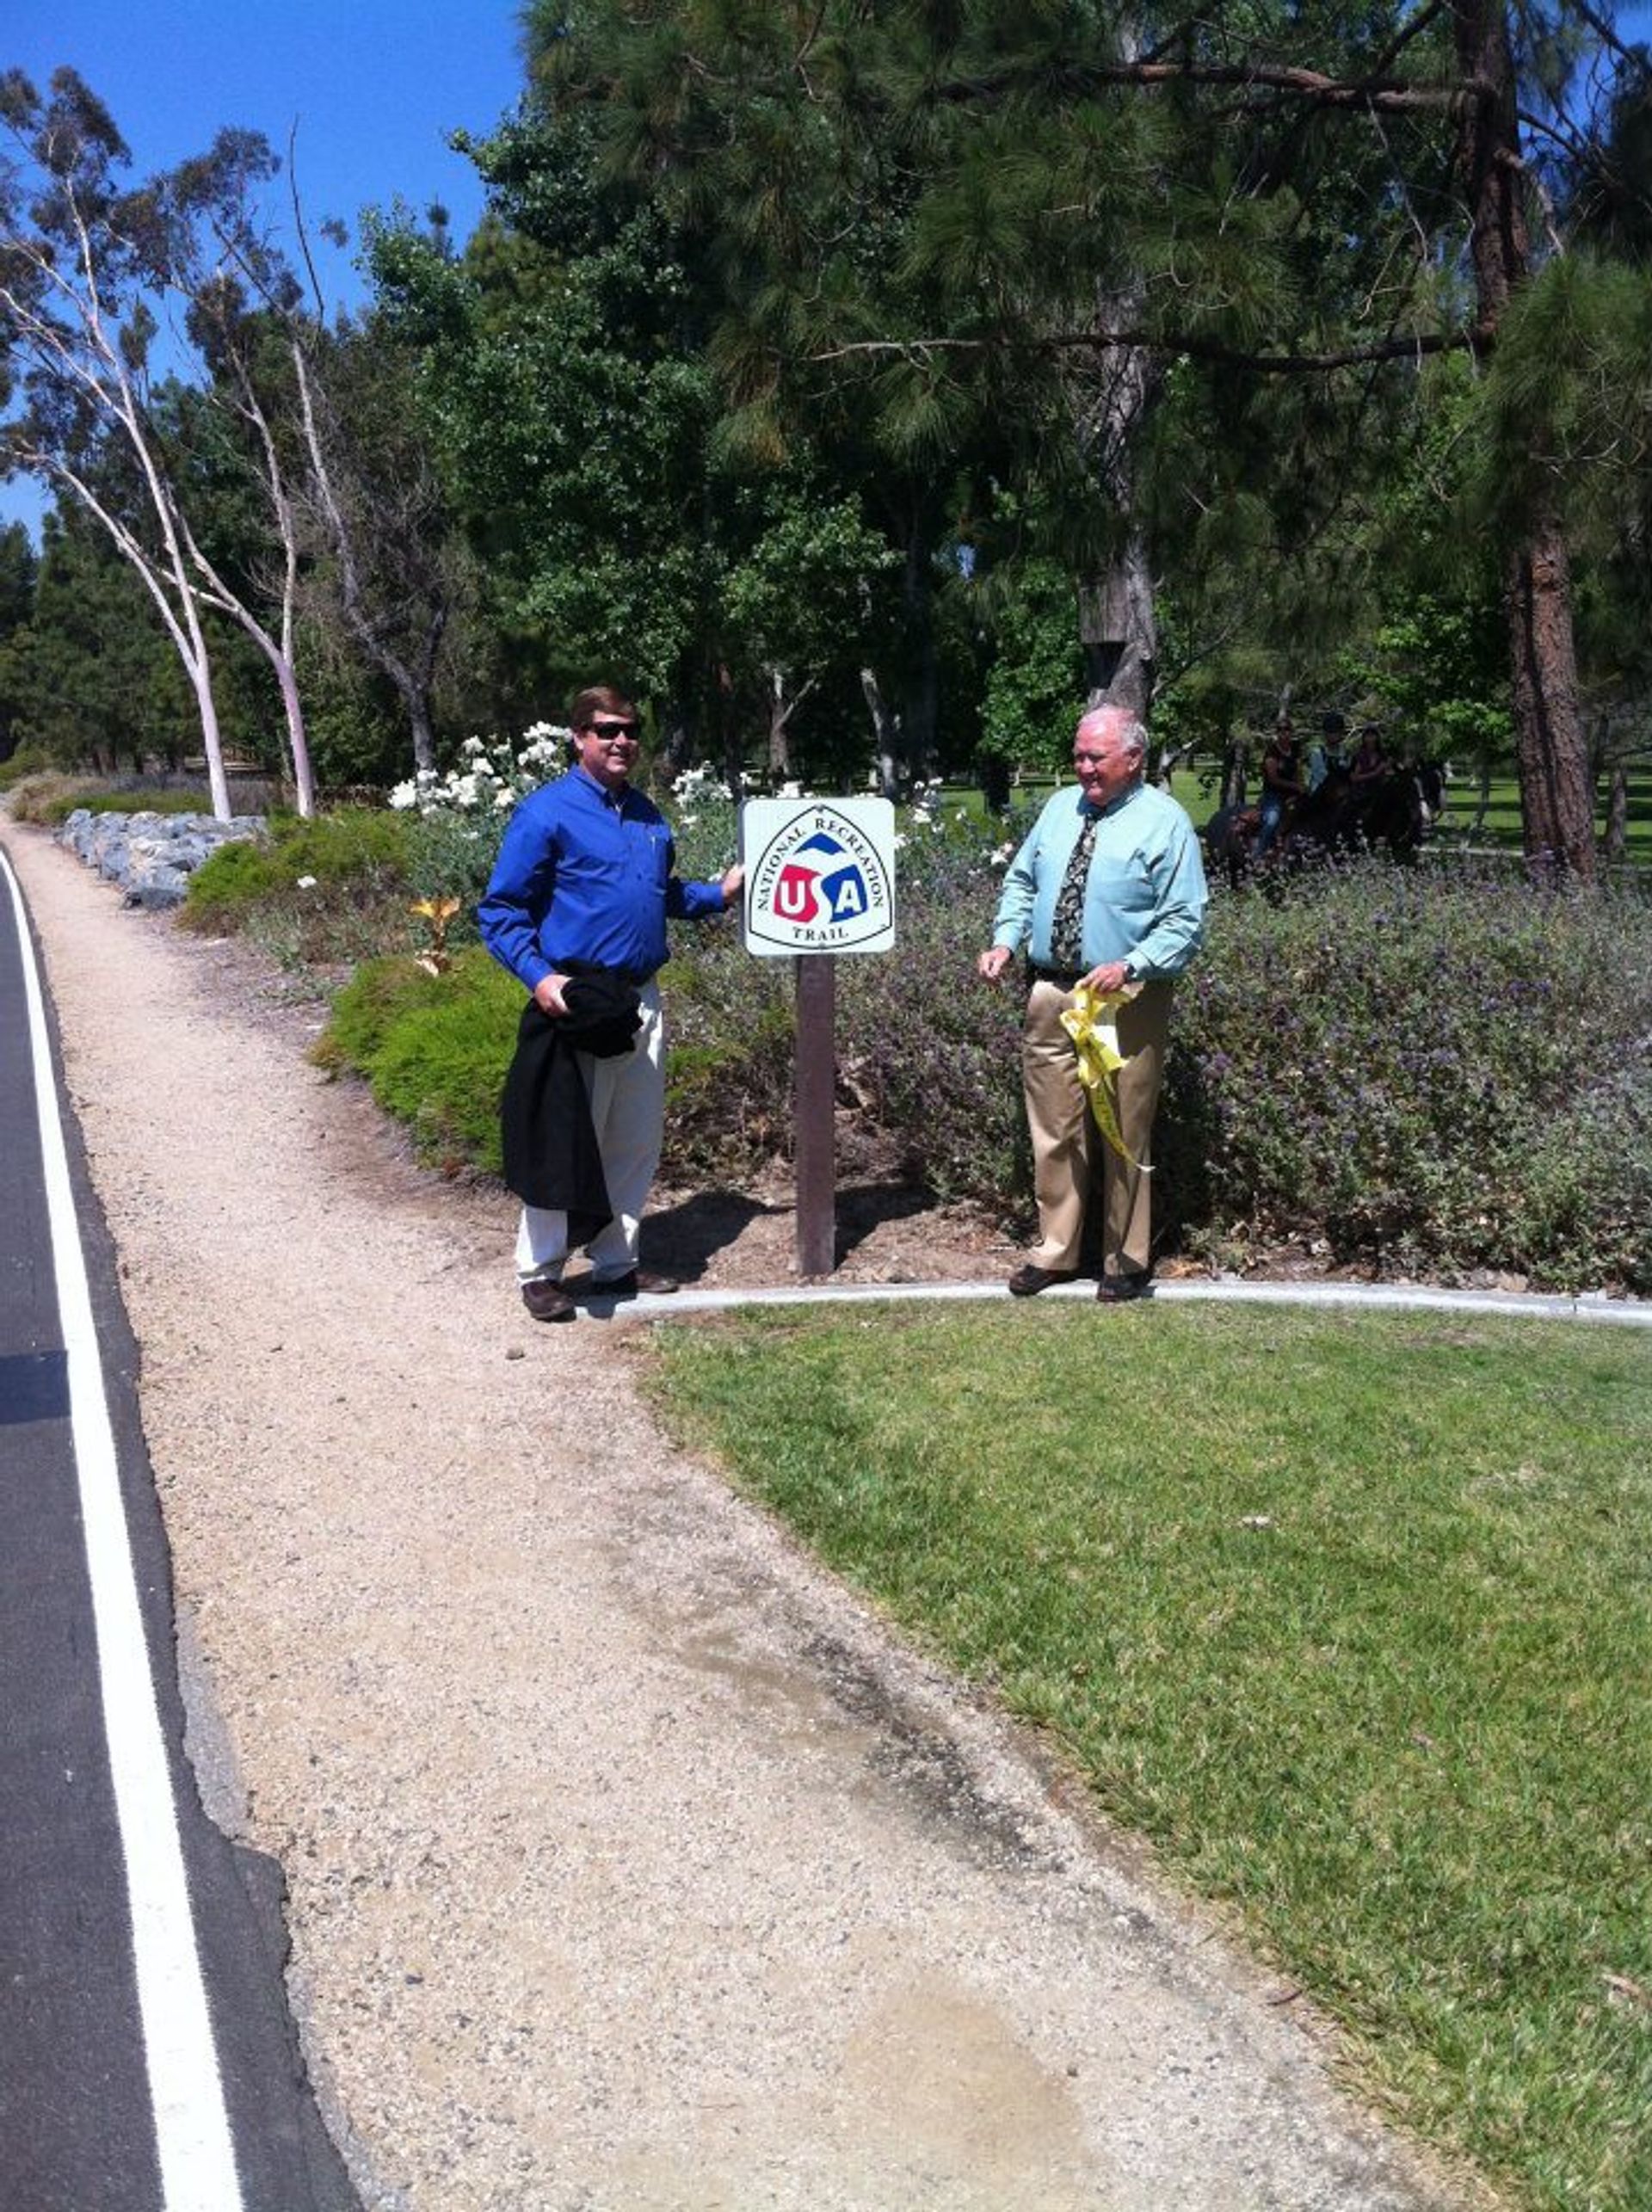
{"points": [[151, 856]]}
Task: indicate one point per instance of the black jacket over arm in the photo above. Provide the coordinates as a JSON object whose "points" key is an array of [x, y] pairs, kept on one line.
{"points": [[552, 1157]]}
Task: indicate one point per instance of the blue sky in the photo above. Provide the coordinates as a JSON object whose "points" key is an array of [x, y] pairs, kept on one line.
{"points": [[374, 85]]}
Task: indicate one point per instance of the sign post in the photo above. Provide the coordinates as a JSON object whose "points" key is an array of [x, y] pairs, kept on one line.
{"points": [[820, 880]]}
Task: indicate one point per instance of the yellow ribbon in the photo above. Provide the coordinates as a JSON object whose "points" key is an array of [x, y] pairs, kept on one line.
{"points": [[1092, 1022]]}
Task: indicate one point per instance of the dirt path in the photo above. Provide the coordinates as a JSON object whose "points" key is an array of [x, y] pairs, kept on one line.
{"points": [[631, 1863]]}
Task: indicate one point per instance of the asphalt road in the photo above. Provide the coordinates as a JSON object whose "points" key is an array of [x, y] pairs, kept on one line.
{"points": [[147, 2060]]}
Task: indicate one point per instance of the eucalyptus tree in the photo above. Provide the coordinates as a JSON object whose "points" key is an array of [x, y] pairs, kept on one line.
{"points": [[389, 569], [75, 280], [89, 267]]}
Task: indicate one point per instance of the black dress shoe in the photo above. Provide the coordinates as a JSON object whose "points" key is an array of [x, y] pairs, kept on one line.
{"points": [[1027, 1280], [1117, 1290], [547, 1301], [642, 1281]]}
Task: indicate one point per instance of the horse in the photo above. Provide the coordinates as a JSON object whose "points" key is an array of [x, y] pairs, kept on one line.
{"points": [[1393, 815], [1400, 810]]}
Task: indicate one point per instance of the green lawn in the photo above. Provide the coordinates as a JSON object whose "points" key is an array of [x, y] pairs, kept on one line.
{"points": [[1352, 1616], [1502, 826], [1501, 830]]}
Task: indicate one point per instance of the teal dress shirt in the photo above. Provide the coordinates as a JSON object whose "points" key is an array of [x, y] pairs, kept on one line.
{"points": [[1144, 896]]}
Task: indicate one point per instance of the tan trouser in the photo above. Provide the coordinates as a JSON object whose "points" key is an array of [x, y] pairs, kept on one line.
{"points": [[1069, 1150]]}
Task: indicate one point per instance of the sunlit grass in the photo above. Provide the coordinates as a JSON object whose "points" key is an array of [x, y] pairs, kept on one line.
{"points": [[1497, 829], [1350, 1615]]}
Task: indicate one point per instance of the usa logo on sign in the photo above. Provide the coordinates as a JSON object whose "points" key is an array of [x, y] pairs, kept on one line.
{"points": [[821, 877]]}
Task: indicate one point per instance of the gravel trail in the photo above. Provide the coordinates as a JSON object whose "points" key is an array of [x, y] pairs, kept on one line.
{"points": [[630, 1861]]}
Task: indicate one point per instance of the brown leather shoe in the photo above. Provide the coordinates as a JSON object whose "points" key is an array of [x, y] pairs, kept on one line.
{"points": [[640, 1281], [1027, 1280], [1117, 1290], [547, 1301]]}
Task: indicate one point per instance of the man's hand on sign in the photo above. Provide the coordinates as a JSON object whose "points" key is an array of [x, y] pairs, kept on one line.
{"points": [[732, 880]]}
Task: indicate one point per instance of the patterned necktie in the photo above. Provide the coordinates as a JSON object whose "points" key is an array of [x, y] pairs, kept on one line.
{"points": [[1067, 929]]}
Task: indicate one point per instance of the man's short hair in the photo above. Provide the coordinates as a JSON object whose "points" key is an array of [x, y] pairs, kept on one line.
{"points": [[598, 699], [1132, 732], [1332, 724]]}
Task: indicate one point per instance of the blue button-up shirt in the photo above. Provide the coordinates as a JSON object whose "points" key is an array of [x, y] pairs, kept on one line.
{"points": [[1144, 894], [587, 874]]}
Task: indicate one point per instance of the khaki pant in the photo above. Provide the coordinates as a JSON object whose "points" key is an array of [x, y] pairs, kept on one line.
{"points": [[1069, 1152]]}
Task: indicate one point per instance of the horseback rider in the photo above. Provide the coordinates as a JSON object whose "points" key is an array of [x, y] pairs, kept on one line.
{"points": [[1282, 782], [1326, 762]]}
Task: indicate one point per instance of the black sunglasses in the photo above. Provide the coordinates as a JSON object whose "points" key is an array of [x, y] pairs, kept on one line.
{"points": [[633, 730]]}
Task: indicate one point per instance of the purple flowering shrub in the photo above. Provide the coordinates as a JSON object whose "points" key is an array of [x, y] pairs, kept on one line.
{"points": [[1408, 1069], [1420, 1071]]}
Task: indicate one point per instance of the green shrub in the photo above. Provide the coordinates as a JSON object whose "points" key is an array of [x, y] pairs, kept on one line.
{"points": [[1408, 1071], [33, 796], [59, 809], [1423, 1072], [358, 852], [730, 1051], [27, 761], [452, 856], [434, 1048]]}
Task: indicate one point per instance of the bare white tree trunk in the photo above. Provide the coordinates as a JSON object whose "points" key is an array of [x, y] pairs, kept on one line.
{"points": [[412, 683], [884, 733], [782, 705], [279, 651], [85, 356]]}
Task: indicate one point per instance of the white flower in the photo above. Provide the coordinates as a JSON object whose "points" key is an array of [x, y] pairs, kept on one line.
{"points": [[403, 795], [306, 883], [900, 841]]}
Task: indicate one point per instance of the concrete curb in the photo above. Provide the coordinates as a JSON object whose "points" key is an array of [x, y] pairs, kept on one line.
{"points": [[1634, 1313]]}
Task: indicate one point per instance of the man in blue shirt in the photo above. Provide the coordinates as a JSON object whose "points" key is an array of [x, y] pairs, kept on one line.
{"points": [[586, 875], [1108, 890]]}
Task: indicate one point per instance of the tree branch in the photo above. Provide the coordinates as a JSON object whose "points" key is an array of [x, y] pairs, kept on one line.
{"points": [[1394, 96], [1607, 34], [1415, 345]]}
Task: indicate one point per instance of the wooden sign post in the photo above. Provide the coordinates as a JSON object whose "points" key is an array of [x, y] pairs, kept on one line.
{"points": [[815, 1109], [820, 880]]}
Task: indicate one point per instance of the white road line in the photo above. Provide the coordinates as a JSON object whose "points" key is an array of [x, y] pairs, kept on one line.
{"points": [[186, 2090]]}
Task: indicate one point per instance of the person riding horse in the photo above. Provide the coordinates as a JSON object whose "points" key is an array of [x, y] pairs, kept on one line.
{"points": [[1376, 805]]}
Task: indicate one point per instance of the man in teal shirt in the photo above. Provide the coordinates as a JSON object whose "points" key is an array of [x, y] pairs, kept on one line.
{"points": [[1108, 891]]}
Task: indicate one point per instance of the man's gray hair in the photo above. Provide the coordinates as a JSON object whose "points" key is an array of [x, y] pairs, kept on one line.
{"points": [[1132, 732]]}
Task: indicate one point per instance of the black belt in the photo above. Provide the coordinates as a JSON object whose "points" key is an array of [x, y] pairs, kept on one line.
{"points": [[1064, 979]]}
